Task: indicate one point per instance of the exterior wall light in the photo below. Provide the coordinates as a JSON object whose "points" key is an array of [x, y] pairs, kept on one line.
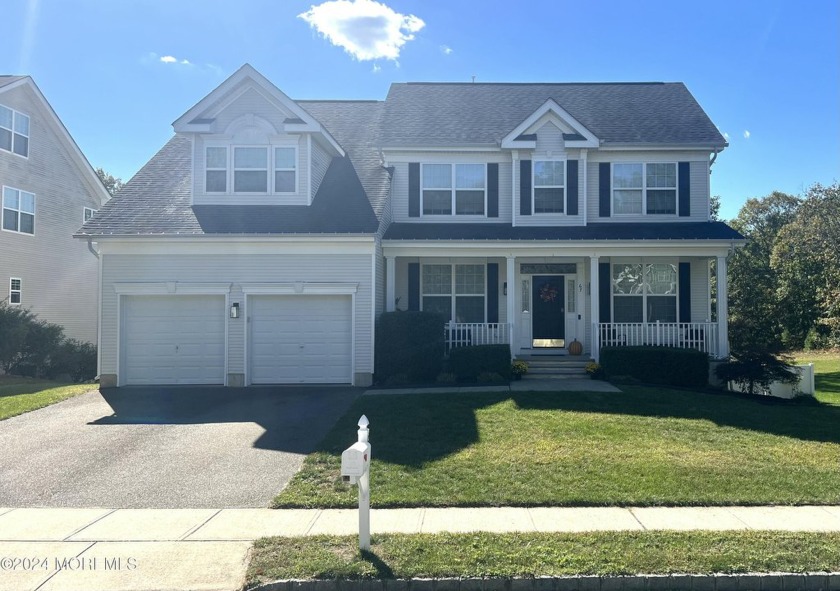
{"points": [[505, 288], [234, 310]]}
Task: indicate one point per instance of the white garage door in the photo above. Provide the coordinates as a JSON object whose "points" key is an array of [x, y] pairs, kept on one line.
{"points": [[173, 340], [300, 339]]}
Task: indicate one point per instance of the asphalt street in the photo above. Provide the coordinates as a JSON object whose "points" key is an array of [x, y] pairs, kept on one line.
{"points": [[165, 447]]}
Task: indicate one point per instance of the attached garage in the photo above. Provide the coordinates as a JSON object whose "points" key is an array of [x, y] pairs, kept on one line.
{"points": [[300, 339], [173, 339]]}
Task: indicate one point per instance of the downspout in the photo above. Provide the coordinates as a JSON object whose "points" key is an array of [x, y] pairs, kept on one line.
{"points": [[712, 161], [91, 248]]}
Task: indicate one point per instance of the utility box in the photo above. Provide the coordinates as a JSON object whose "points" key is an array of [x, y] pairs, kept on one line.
{"points": [[355, 462]]}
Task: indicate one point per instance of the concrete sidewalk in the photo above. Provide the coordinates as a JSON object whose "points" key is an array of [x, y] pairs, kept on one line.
{"points": [[138, 549]]}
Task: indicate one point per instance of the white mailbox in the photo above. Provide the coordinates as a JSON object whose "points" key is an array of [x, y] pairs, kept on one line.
{"points": [[355, 462]]}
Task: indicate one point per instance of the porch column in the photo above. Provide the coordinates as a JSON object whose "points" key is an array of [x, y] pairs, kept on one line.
{"points": [[390, 283], [594, 306], [722, 308], [510, 298]]}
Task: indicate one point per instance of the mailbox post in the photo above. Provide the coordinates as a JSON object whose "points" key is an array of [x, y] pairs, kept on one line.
{"points": [[355, 469]]}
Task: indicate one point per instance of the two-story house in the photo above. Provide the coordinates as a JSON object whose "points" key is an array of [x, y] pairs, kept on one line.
{"points": [[48, 190], [262, 242]]}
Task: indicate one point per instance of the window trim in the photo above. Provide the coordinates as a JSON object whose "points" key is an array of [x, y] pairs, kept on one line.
{"points": [[28, 136], [453, 295], [453, 189], [534, 186], [85, 216], [644, 189], [645, 289], [3, 209], [18, 291]]}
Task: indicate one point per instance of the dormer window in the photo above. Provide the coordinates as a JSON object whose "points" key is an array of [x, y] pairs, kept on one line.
{"points": [[249, 168]]}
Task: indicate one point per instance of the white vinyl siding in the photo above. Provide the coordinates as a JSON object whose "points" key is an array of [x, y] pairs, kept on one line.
{"points": [[277, 266], [700, 305], [320, 163], [58, 273]]}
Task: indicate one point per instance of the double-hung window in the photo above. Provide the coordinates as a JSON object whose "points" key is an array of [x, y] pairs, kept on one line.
{"points": [[644, 292], [457, 291], [15, 291], [215, 169], [18, 211], [458, 188], [14, 131], [549, 186], [88, 213], [250, 170], [650, 188]]}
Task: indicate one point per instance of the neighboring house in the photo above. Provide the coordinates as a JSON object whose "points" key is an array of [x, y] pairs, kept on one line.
{"points": [[261, 243], [48, 190]]}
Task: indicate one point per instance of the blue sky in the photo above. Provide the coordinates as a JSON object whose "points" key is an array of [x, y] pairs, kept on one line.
{"points": [[118, 72]]}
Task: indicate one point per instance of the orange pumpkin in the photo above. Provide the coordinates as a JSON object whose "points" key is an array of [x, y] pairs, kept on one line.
{"points": [[575, 348]]}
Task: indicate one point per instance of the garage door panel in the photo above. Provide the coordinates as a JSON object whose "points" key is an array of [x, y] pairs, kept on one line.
{"points": [[173, 340], [300, 339]]}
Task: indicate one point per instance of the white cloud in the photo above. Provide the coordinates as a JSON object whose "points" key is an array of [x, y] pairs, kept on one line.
{"points": [[365, 29], [168, 59], [747, 134], [446, 50], [376, 68]]}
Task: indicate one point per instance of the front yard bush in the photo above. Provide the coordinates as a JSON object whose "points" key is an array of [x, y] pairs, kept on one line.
{"points": [[658, 365], [468, 363], [409, 343]]}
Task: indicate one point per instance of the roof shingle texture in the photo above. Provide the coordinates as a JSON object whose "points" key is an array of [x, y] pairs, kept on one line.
{"points": [[446, 114]]}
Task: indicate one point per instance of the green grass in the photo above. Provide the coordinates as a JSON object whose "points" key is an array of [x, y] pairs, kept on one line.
{"points": [[644, 446], [507, 555], [20, 395]]}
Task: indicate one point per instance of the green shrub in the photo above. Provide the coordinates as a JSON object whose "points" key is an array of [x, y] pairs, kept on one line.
{"points": [[754, 372], [446, 378], [469, 362], [595, 371], [490, 377], [75, 359], [518, 368], [658, 365], [409, 343]]}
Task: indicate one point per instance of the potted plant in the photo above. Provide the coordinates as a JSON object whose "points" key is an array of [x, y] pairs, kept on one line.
{"points": [[518, 369]]}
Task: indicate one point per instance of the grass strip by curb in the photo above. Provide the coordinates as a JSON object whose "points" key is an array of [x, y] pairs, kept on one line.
{"points": [[20, 395], [398, 556]]}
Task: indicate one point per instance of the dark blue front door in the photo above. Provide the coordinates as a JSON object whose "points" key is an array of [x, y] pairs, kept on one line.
{"points": [[549, 311]]}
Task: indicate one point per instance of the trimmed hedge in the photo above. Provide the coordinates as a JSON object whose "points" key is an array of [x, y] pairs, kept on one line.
{"points": [[658, 365], [411, 344], [468, 363]]}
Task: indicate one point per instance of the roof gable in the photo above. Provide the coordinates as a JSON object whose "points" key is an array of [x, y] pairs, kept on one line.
{"points": [[8, 83], [547, 111], [201, 116]]}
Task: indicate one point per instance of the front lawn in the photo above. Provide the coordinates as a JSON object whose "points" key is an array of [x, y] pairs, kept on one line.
{"points": [[644, 446], [20, 395], [507, 555], [827, 373]]}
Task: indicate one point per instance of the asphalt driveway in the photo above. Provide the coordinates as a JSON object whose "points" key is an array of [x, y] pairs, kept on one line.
{"points": [[165, 447]]}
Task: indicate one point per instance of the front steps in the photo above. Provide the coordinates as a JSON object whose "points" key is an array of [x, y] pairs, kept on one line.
{"points": [[550, 367]]}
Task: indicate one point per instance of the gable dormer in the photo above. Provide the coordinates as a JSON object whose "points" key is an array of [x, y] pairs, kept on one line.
{"points": [[573, 134], [252, 144]]}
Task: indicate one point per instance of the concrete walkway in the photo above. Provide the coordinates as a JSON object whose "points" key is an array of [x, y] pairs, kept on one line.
{"points": [[138, 549]]}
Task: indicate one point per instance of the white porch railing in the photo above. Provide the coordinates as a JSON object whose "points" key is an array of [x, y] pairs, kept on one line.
{"points": [[462, 334], [702, 336]]}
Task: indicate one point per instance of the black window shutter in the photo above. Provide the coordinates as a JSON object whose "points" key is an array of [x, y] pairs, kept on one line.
{"points": [[414, 287], [604, 193], [493, 190], [684, 189], [604, 292], [571, 187], [524, 187], [414, 189], [685, 293], [492, 292]]}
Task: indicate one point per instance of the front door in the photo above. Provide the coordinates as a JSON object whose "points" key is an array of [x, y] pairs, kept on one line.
{"points": [[548, 304]]}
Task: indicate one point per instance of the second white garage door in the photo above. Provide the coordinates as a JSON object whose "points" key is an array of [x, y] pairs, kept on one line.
{"points": [[300, 339]]}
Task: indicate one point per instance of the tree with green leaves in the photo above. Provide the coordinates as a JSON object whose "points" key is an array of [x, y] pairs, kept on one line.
{"points": [[112, 184], [806, 259]]}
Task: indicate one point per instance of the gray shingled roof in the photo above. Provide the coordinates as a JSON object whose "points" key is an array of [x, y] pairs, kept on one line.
{"points": [[157, 199], [596, 231], [445, 114]]}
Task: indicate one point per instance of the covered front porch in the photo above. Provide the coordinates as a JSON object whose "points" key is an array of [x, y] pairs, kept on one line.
{"points": [[540, 299]]}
